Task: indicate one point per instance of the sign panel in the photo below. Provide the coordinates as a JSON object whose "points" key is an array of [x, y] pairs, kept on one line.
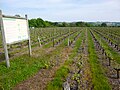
{"points": [[15, 30]]}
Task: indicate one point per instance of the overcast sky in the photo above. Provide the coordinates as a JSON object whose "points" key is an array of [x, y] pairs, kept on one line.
{"points": [[64, 10]]}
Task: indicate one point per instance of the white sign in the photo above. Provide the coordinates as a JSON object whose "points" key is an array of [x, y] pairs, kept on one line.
{"points": [[15, 30]]}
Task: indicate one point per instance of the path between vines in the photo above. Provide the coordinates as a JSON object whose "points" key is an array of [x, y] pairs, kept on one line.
{"points": [[40, 80], [86, 77]]}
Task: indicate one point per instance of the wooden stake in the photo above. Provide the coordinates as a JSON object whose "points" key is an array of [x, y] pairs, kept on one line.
{"points": [[4, 41]]}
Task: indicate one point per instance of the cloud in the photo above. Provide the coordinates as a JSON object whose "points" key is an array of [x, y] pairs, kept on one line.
{"points": [[65, 10]]}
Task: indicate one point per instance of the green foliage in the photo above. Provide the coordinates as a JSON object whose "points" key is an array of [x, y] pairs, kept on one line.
{"points": [[109, 50], [82, 24], [37, 23], [62, 72], [21, 68], [103, 25], [99, 80], [41, 23], [57, 82], [66, 42]]}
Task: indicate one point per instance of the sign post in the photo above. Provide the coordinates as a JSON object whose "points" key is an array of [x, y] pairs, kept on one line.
{"points": [[14, 29], [39, 41], [69, 38], [4, 41], [53, 37], [29, 41]]}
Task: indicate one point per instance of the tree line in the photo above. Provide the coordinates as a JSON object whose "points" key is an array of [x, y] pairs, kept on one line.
{"points": [[41, 23]]}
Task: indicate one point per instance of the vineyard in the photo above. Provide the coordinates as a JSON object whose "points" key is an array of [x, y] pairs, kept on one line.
{"points": [[79, 58]]}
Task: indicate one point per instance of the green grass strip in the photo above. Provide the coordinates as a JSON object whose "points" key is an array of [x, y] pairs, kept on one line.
{"points": [[57, 82], [99, 80], [109, 50], [77, 44], [62, 72]]}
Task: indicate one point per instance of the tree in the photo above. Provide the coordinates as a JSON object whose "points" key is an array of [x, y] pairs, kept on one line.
{"points": [[80, 24], [37, 23], [47, 24], [72, 24], [56, 24], [64, 24], [32, 23], [40, 22], [103, 25], [17, 15]]}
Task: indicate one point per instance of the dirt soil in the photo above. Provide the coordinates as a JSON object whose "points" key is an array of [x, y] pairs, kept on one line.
{"points": [[80, 77], [40, 80], [86, 74], [109, 71]]}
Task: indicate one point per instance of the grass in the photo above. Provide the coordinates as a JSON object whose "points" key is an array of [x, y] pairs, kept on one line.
{"points": [[60, 75], [62, 72], [77, 44], [99, 80], [23, 67], [109, 50]]}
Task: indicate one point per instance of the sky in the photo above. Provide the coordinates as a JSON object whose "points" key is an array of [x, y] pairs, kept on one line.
{"points": [[64, 10]]}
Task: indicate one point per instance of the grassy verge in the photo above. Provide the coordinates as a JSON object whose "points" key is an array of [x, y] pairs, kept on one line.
{"points": [[23, 67], [99, 80]]}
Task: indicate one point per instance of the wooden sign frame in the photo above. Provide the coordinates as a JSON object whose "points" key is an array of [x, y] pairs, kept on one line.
{"points": [[4, 38]]}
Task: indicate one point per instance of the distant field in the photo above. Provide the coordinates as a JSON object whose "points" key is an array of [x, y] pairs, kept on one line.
{"points": [[82, 58]]}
